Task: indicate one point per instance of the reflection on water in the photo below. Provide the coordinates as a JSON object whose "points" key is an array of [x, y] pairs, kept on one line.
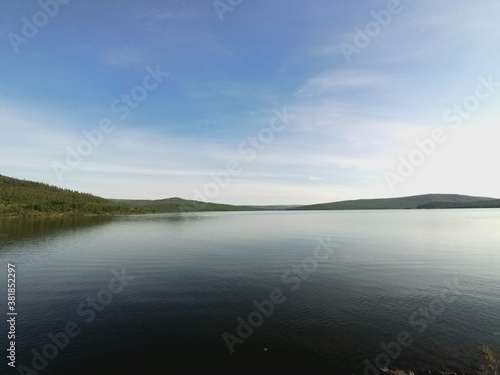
{"points": [[19, 228], [195, 274]]}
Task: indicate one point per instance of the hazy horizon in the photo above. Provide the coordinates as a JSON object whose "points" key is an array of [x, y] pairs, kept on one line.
{"points": [[307, 204]]}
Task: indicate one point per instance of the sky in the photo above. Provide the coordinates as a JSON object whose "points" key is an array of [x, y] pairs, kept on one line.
{"points": [[252, 101]]}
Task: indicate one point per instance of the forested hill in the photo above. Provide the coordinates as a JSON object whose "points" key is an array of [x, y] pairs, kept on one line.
{"points": [[415, 201], [184, 205], [27, 198], [490, 203]]}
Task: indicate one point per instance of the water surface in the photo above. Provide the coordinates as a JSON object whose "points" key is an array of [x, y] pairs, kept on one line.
{"points": [[430, 274]]}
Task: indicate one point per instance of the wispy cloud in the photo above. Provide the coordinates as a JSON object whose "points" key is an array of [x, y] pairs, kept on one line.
{"points": [[339, 81]]}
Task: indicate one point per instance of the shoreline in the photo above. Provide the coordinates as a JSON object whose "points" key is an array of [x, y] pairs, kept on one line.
{"points": [[393, 371]]}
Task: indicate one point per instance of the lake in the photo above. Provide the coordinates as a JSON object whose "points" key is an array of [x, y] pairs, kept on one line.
{"points": [[313, 292]]}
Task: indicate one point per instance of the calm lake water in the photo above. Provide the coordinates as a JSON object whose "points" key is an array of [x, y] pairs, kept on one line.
{"points": [[334, 288]]}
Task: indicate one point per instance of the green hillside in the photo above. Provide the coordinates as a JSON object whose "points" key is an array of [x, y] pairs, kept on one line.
{"points": [[27, 198], [416, 201], [182, 205], [490, 203]]}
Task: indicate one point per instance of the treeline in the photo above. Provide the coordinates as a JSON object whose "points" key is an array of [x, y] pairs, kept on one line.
{"points": [[183, 205], [27, 198], [491, 203]]}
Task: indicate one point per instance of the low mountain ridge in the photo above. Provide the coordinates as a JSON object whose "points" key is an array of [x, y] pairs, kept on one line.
{"points": [[28, 198], [411, 202], [181, 205], [489, 203]]}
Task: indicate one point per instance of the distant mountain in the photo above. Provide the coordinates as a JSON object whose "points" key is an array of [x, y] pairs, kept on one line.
{"points": [[182, 205], [28, 198], [276, 207], [415, 201], [489, 203]]}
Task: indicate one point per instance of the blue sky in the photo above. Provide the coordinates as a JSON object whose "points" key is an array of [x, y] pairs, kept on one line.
{"points": [[360, 83]]}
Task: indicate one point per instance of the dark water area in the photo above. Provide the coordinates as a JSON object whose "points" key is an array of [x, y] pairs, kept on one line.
{"points": [[253, 292]]}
